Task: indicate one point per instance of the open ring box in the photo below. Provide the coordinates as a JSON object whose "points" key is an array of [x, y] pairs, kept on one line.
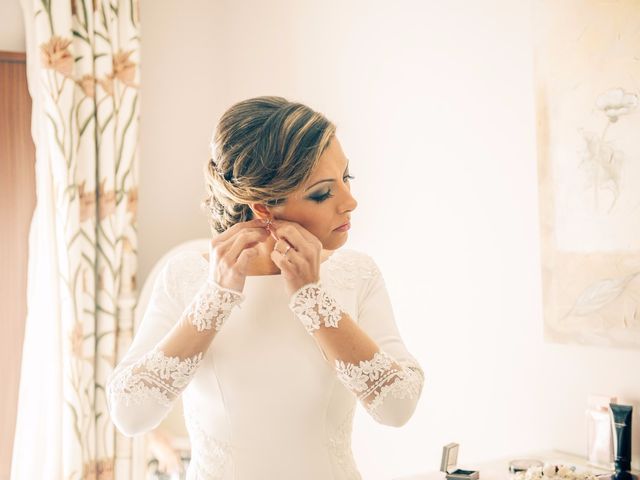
{"points": [[449, 462]]}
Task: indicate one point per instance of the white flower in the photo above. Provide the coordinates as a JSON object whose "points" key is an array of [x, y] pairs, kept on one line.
{"points": [[533, 473], [549, 470], [615, 102], [565, 471]]}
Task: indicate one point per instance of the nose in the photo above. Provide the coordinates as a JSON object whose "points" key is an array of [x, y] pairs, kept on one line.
{"points": [[349, 203]]}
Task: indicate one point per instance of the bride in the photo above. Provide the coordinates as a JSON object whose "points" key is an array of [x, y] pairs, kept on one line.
{"points": [[274, 335]]}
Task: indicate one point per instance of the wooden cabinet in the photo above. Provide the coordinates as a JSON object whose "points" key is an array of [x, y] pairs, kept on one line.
{"points": [[17, 201]]}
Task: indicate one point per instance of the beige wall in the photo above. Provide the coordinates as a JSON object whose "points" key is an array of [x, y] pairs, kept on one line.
{"points": [[11, 26], [434, 107]]}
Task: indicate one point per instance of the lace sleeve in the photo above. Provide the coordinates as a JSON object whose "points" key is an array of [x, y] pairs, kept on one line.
{"points": [[166, 351], [387, 380]]}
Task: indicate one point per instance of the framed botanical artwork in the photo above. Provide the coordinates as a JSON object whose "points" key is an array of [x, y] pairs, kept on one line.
{"points": [[587, 82]]}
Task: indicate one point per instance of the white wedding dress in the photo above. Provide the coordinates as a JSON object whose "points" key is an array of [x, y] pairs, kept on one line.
{"points": [[262, 402]]}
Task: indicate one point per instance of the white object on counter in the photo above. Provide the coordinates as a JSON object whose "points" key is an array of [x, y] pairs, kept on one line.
{"points": [[599, 437], [499, 469]]}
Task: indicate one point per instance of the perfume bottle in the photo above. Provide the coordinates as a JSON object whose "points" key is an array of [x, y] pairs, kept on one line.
{"points": [[599, 436]]}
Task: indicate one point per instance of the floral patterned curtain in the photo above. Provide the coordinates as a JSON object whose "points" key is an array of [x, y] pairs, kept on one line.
{"points": [[83, 75]]}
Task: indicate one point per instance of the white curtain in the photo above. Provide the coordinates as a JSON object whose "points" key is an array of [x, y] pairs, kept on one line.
{"points": [[83, 76]]}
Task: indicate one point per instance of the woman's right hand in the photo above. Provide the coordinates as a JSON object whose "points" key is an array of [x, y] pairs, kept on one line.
{"points": [[232, 250]]}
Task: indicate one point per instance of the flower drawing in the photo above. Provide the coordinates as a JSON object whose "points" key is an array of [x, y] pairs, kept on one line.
{"points": [[602, 162]]}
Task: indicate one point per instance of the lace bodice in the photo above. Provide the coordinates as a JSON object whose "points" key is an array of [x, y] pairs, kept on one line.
{"points": [[257, 372]]}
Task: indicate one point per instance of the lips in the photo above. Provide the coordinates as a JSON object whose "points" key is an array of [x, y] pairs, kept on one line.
{"points": [[340, 226]]}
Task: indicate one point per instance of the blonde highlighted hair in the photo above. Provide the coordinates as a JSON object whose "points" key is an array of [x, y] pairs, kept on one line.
{"points": [[263, 149]]}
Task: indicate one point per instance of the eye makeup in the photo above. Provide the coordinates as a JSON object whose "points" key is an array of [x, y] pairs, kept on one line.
{"points": [[322, 197]]}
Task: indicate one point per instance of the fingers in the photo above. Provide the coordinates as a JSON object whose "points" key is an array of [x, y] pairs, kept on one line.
{"points": [[295, 237], [284, 261], [283, 245], [245, 257], [245, 240], [286, 226], [284, 264], [234, 229], [222, 242]]}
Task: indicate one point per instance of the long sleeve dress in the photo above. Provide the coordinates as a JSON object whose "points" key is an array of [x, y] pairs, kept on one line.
{"points": [[262, 401]]}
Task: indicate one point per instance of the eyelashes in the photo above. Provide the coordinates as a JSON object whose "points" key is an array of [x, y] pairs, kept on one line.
{"points": [[328, 194]]}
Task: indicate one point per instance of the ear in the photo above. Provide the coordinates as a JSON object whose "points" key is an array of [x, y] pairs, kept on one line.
{"points": [[260, 210]]}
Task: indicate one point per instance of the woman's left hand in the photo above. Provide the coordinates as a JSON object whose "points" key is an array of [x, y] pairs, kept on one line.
{"points": [[301, 264]]}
